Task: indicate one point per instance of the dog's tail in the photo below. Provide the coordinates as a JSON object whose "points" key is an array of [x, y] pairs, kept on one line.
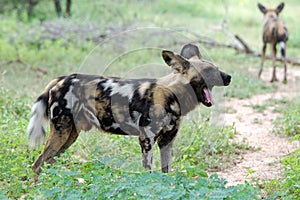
{"points": [[36, 127], [40, 116], [282, 49]]}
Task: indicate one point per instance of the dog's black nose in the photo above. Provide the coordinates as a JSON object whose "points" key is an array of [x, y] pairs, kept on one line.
{"points": [[226, 78]]}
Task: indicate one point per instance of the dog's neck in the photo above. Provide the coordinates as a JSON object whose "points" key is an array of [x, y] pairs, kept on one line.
{"points": [[182, 90]]}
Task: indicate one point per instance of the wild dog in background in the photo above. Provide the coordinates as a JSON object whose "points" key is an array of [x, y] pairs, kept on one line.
{"points": [[151, 109], [59, 10], [274, 31], [33, 3]]}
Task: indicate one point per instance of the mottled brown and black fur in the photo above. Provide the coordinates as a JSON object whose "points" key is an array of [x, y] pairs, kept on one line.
{"points": [[151, 109], [274, 32]]}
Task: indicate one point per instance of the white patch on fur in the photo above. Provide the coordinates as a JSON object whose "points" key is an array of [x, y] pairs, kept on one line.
{"points": [[52, 108], [175, 107], [36, 125], [149, 133], [125, 90], [136, 115], [70, 98], [90, 116], [282, 45], [108, 84], [150, 156], [144, 87], [115, 125], [167, 122], [75, 80]]}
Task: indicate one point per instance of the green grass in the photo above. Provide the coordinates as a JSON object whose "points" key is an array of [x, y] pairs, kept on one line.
{"points": [[15, 157], [289, 123], [276, 104], [288, 186], [208, 145]]}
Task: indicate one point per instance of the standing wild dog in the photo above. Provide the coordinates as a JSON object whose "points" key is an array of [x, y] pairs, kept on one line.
{"points": [[274, 31], [151, 109]]}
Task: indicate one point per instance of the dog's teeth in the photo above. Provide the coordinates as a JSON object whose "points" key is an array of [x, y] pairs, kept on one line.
{"points": [[208, 96]]}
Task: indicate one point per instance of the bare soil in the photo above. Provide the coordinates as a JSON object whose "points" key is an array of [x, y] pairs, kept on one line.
{"points": [[256, 128]]}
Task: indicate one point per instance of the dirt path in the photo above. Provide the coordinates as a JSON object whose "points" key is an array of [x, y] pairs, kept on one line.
{"points": [[256, 129]]}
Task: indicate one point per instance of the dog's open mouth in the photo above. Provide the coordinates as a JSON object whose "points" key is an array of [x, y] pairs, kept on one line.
{"points": [[208, 101]]}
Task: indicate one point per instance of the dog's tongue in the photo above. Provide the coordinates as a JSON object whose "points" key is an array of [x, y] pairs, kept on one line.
{"points": [[207, 95]]}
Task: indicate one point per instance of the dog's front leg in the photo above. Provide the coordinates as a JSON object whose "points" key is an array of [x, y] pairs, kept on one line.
{"points": [[165, 143], [147, 142], [147, 151], [166, 157]]}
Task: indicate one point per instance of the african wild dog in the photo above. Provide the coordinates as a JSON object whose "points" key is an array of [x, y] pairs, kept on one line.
{"points": [[274, 31], [151, 109]]}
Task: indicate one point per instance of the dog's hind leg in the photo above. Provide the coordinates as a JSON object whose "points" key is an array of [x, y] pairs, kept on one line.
{"points": [[273, 54], [263, 56], [59, 140], [72, 138]]}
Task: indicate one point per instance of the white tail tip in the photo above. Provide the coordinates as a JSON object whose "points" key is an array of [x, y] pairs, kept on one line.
{"points": [[36, 128]]}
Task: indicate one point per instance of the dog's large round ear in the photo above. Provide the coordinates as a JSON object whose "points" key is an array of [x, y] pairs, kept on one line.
{"points": [[279, 8], [261, 8], [175, 61], [190, 50]]}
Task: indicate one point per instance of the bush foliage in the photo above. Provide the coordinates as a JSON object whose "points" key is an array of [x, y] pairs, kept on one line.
{"points": [[95, 181]]}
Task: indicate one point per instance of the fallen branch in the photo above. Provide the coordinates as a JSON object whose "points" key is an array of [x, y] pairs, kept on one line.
{"points": [[243, 47], [18, 60], [206, 40], [40, 69], [248, 50]]}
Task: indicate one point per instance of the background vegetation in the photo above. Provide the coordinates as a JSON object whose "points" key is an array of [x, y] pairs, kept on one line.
{"points": [[125, 38]]}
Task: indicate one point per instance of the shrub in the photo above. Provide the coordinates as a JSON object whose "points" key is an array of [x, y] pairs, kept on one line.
{"points": [[289, 123], [95, 181], [289, 186]]}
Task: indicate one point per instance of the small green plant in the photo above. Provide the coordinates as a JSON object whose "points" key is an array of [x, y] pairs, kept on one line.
{"points": [[289, 186], [206, 144], [246, 85], [259, 107], [289, 123]]}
